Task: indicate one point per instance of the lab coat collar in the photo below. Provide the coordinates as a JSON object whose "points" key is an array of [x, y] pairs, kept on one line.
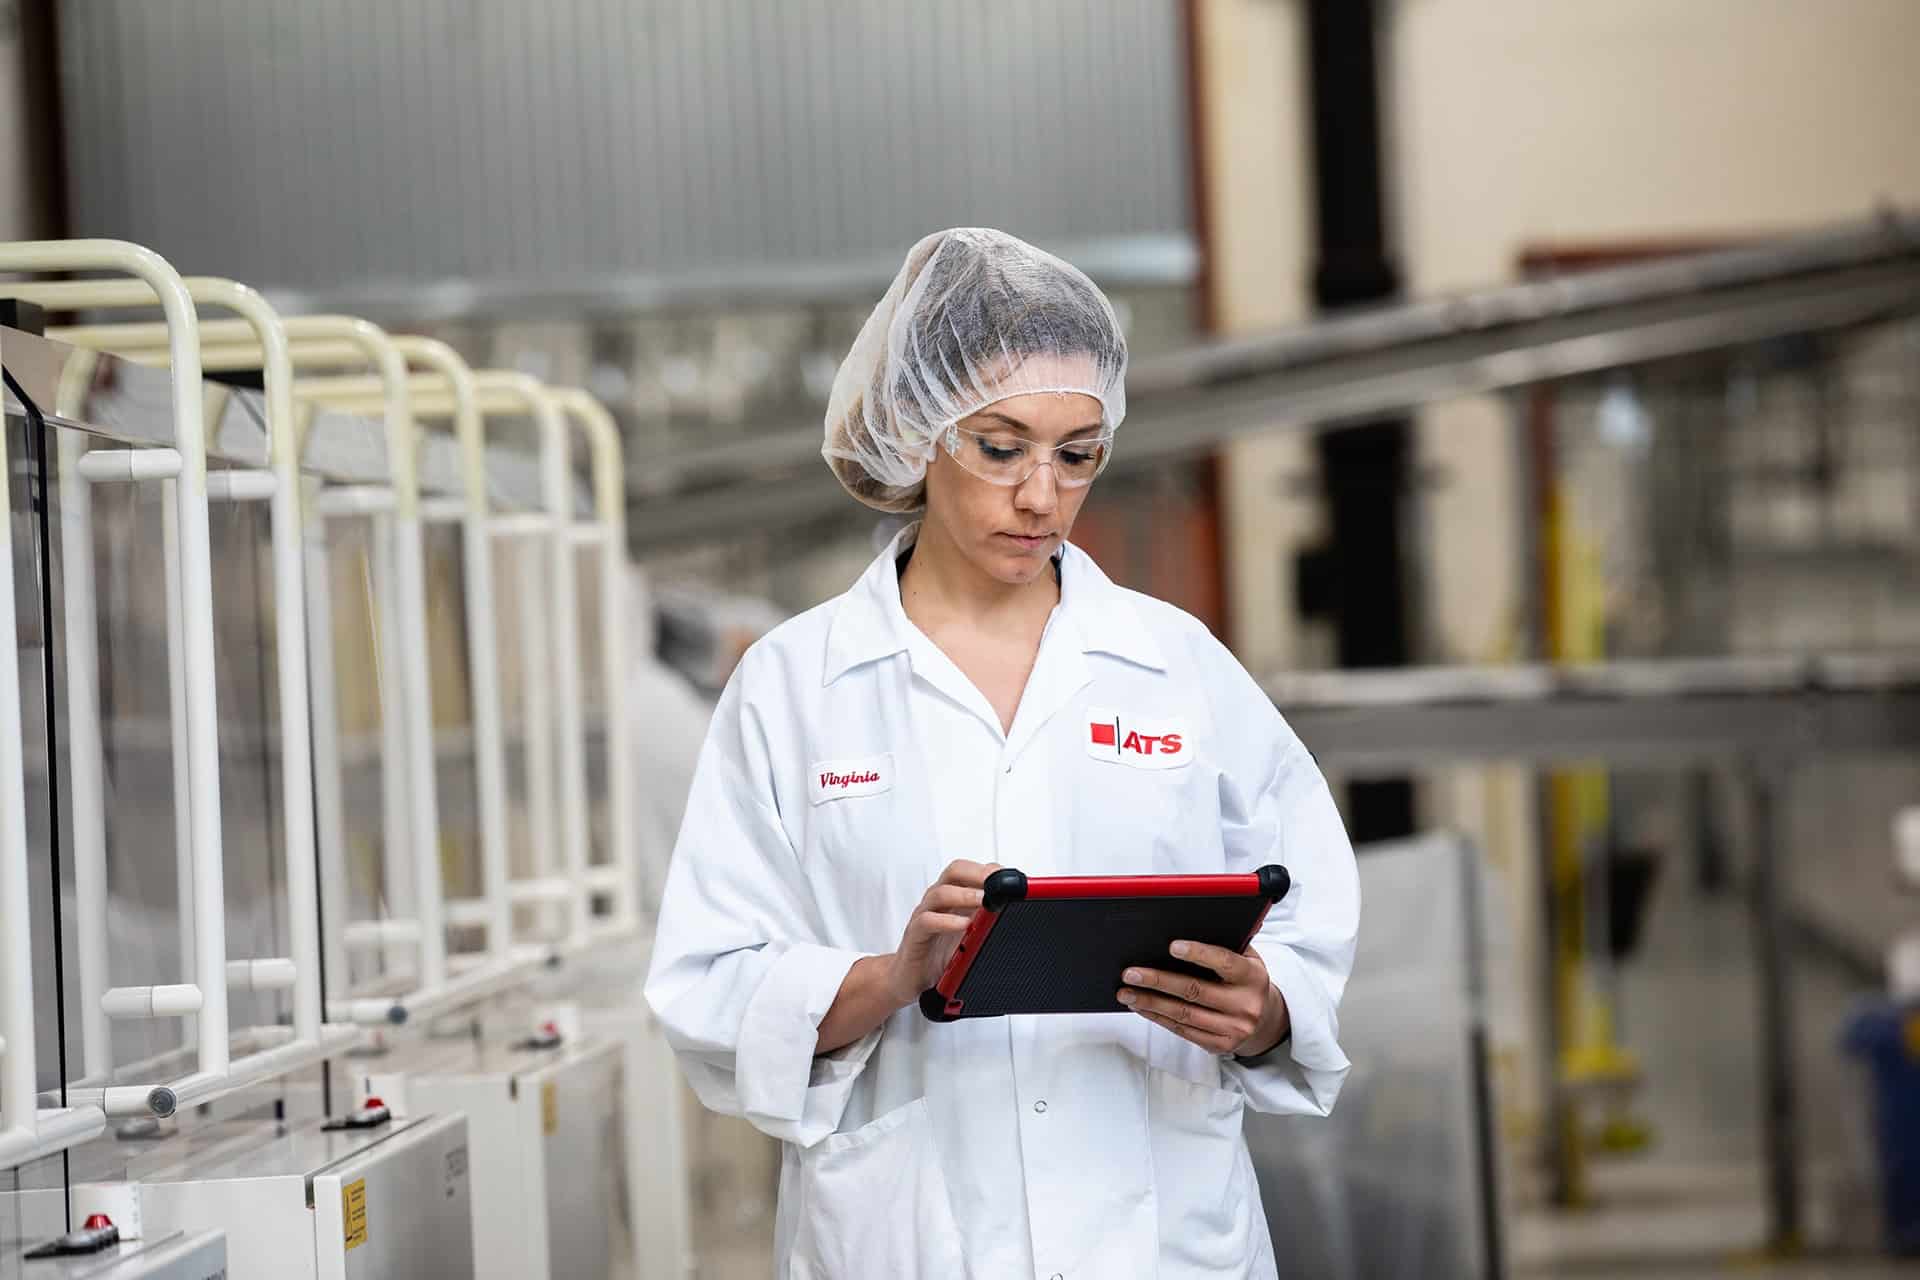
{"points": [[870, 623]]}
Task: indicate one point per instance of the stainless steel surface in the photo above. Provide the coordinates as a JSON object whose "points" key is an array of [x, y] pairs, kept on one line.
{"points": [[657, 143], [547, 1132], [1397, 1181], [1394, 358], [128, 402], [177, 1255], [282, 1195]]}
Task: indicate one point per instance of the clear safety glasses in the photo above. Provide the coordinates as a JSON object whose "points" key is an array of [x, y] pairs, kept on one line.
{"points": [[1006, 459]]}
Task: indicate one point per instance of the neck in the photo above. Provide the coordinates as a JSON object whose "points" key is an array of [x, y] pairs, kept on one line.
{"points": [[941, 584]]}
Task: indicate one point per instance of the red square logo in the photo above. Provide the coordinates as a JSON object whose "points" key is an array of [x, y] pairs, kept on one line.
{"points": [[1103, 735]]}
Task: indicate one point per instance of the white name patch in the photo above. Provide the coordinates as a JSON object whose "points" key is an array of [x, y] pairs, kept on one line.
{"points": [[1143, 743], [838, 779]]}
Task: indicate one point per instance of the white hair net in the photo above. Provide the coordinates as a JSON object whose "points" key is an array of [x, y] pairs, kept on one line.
{"points": [[974, 317]]}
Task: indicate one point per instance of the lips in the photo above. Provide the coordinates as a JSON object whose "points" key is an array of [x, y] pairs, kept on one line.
{"points": [[1028, 540]]}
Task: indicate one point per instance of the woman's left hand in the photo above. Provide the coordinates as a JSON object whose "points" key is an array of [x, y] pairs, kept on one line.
{"points": [[1242, 1013]]}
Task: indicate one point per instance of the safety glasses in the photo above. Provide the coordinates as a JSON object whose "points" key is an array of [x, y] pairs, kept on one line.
{"points": [[1005, 459]]}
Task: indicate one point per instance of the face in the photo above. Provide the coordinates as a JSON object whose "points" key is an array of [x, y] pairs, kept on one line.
{"points": [[1009, 531]]}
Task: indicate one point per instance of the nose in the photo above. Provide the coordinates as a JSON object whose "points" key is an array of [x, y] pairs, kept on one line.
{"points": [[1039, 492]]}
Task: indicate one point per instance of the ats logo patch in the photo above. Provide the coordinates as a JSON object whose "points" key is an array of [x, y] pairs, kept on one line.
{"points": [[1141, 742]]}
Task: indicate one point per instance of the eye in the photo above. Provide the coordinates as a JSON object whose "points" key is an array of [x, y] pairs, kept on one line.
{"points": [[1078, 459], [999, 452]]}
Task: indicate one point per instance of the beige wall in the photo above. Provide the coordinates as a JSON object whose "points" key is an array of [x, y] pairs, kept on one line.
{"points": [[1260, 231]]}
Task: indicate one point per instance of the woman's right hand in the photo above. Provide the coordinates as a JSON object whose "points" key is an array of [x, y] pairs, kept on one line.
{"points": [[934, 929]]}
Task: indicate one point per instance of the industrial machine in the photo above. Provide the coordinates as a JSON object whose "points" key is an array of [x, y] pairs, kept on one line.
{"points": [[372, 1197], [545, 1123]]}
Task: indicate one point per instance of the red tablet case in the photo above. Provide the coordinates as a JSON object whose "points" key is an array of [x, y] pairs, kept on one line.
{"points": [[1058, 944]]}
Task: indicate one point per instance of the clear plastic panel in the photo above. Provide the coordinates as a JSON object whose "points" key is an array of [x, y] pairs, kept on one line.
{"points": [[377, 887], [455, 762]]}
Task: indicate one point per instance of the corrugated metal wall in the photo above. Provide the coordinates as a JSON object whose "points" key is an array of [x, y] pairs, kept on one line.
{"points": [[330, 144]]}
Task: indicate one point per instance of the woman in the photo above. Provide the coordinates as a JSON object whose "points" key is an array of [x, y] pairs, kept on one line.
{"points": [[874, 759]]}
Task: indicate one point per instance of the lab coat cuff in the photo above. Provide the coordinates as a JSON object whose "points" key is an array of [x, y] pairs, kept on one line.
{"points": [[1303, 1074], [784, 1088]]}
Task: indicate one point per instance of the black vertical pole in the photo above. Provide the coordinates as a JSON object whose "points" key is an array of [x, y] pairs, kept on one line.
{"points": [[1364, 468]]}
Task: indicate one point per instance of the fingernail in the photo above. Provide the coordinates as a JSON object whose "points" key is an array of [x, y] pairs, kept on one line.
{"points": [[1179, 949], [1132, 976], [1126, 997]]}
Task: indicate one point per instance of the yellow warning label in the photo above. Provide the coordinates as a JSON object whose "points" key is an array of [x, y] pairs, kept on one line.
{"points": [[549, 1109], [353, 1209], [1913, 1036]]}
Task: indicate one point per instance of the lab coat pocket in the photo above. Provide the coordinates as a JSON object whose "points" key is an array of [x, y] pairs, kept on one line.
{"points": [[874, 1203], [1202, 1176]]}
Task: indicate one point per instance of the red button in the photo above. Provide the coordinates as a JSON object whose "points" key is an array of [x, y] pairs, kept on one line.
{"points": [[98, 1221], [373, 1104]]}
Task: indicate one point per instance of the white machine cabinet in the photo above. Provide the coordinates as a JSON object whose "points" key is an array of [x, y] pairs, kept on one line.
{"points": [[303, 1202], [548, 1149], [178, 1255]]}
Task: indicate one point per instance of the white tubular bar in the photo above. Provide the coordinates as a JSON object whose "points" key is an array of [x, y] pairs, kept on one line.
{"points": [[177, 724], [177, 1000], [354, 500], [536, 703], [369, 935], [182, 331], [521, 524], [279, 485], [108, 466], [86, 753], [610, 502], [543, 889], [242, 486], [273, 973], [204, 1086], [397, 890], [443, 510], [50, 1130], [483, 659]]}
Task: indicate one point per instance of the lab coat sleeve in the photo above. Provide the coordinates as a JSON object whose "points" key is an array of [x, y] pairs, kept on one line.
{"points": [[741, 977], [1275, 807]]}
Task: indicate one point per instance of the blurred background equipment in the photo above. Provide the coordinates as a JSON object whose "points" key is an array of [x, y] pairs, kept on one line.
{"points": [[1596, 560]]}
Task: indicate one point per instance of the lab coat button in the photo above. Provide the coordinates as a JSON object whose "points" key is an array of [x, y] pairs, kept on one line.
{"points": [[1041, 1106]]}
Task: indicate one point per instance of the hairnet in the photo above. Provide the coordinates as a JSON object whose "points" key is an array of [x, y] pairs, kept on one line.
{"points": [[974, 317]]}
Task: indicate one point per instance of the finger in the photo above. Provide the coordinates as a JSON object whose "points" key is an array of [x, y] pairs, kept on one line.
{"points": [[951, 898], [1230, 965], [1185, 1014], [1184, 986], [971, 875], [1211, 1043], [939, 922]]}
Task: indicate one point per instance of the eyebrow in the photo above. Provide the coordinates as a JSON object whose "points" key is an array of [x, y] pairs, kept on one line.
{"points": [[1026, 430]]}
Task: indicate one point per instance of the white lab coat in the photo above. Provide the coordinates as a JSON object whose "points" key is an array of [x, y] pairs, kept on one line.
{"points": [[834, 781]]}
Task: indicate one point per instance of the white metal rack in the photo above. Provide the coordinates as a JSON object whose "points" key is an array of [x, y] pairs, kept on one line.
{"points": [[29, 1129]]}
